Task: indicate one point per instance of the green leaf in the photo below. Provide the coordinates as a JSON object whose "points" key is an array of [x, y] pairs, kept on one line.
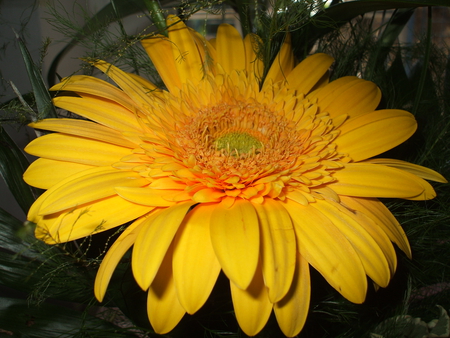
{"points": [[19, 319], [13, 164], [43, 100]]}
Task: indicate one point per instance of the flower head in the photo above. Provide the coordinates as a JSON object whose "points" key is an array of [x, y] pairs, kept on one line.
{"points": [[224, 171]]}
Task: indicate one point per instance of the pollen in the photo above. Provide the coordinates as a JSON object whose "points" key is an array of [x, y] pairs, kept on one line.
{"points": [[238, 143]]}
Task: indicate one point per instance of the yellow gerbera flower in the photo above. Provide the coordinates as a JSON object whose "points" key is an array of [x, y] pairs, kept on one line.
{"points": [[224, 172]]}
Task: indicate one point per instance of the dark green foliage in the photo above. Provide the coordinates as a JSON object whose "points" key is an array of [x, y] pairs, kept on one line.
{"points": [[413, 77]]}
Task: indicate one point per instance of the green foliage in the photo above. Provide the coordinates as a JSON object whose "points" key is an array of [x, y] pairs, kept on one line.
{"points": [[414, 77]]}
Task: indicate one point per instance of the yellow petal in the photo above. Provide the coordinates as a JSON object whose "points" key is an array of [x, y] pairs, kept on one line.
{"points": [[235, 238], [373, 180], [373, 229], [251, 306], [207, 52], [418, 170], [208, 195], [282, 64], [154, 240], [188, 62], [195, 266], [143, 99], [347, 95], [372, 257], [100, 110], [113, 257], [374, 133], [44, 173], [148, 86], [381, 215], [83, 84], [292, 310], [277, 248], [95, 185], [146, 196], [69, 148], [359, 97], [85, 220], [328, 251], [308, 72], [86, 129], [159, 49], [253, 62], [163, 308], [230, 49]]}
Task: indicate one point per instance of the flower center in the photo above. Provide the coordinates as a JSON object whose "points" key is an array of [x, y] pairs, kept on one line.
{"points": [[236, 143]]}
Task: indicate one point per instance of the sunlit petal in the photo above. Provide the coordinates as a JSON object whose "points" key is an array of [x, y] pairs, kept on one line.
{"points": [[292, 310], [113, 257], [322, 244], [154, 240], [195, 266], [230, 49], [278, 248], [163, 308], [252, 305], [44, 173], [372, 257], [418, 170], [372, 180], [234, 235], [373, 133], [308, 72], [68, 148]]}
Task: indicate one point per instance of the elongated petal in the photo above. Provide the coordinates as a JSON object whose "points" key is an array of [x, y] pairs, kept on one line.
{"points": [[327, 94], [372, 257], [374, 133], [328, 251], [68, 148], [44, 173], [113, 257], [188, 62], [282, 64], [308, 72], [143, 100], [83, 84], [235, 238], [207, 52], [379, 213], [195, 266], [230, 49], [163, 308], [86, 220], [145, 196], [373, 229], [148, 86], [372, 180], [357, 98], [154, 240], [252, 306], [418, 170], [99, 110], [278, 248], [292, 310], [87, 188], [159, 49], [85, 129]]}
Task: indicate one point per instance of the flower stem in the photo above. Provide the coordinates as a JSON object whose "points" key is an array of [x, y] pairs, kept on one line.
{"points": [[156, 13]]}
